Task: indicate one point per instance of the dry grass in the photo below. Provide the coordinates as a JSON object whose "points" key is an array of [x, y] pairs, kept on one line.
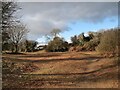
{"points": [[73, 70]]}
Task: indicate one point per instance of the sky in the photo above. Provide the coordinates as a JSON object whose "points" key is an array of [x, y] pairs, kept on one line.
{"points": [[68, 0], [72, 18]]}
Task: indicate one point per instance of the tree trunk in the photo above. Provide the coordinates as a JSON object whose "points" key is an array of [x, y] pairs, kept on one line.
{"points": [[16, 48]]}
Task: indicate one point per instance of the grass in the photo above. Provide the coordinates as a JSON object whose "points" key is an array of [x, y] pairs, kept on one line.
{"points": [[63, 70]]}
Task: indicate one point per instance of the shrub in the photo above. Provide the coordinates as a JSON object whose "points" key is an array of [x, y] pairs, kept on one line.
{"points": [[74, 40], [76, 48], [109, 42], [31, 45], [57, 45], [91, 45]]}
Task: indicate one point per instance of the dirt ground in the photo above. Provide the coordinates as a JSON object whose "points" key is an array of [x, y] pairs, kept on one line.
{"points": [[62, 70]]}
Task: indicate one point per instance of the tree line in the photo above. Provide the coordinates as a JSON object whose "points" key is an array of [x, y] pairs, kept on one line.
{"points": [[14, 37], [106, 42], [13, 31]]}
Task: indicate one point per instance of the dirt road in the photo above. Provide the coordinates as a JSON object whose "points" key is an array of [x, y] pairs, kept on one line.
{"points": [[63, 70]]}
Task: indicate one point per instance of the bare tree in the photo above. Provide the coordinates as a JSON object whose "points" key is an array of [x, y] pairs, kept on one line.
{"points": [[8, 18], [17, 34], [55, 32]]}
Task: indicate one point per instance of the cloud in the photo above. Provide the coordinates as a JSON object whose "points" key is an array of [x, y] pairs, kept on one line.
{"points": [[41, 18], [68, 1]]}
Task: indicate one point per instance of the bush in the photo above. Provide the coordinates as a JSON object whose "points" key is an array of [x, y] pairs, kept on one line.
{"points": [[91, 45], [31, 45], [76, 48], [109, 42], [57, 45], [74, 40]]}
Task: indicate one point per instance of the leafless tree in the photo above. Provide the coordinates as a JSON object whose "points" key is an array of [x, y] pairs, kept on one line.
{"points": [[55, 32], [17, 34], [8, 18]]}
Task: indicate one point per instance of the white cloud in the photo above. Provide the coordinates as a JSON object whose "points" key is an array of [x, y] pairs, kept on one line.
{"points": [[41, 18], [68, 0]]}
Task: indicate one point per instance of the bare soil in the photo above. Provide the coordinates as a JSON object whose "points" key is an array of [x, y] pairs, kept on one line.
{"points": [[62, 70]]}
